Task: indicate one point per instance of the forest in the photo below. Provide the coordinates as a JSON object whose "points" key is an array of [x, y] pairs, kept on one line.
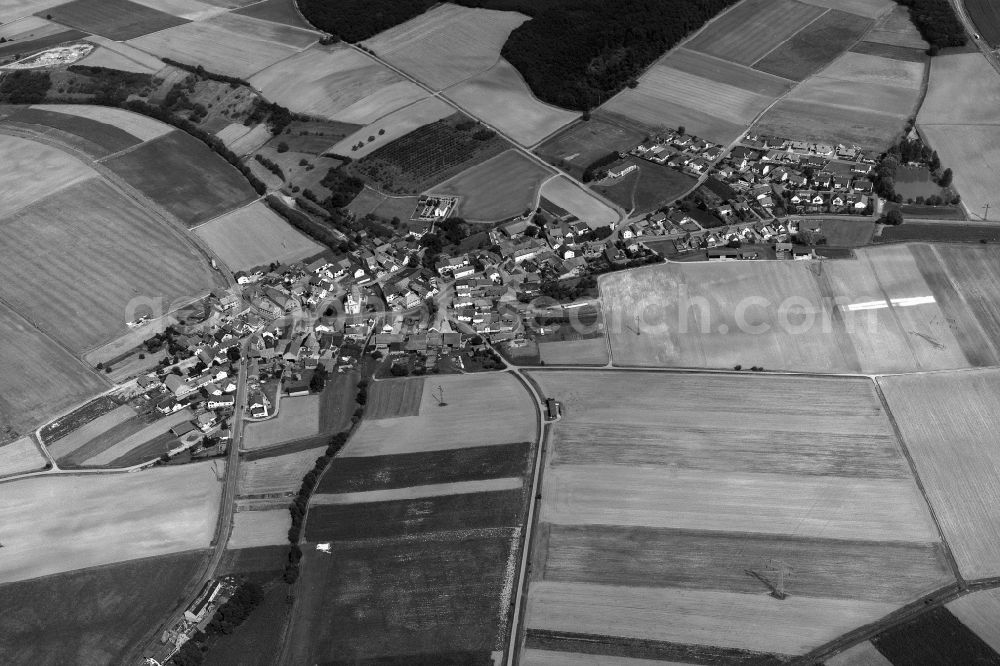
{"points": [[937, 23], [611, 43]]}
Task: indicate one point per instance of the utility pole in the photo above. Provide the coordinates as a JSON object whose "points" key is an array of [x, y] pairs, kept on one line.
{"points": [[986, 215], [440, 396]]}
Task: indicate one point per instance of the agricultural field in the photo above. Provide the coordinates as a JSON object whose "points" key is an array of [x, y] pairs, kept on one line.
{"points": [[423, 491], [896, 29], [181, 174], [428, 154], [948, 101], [499, 188], [279, 11], [577, 201], [29, 34], [979, 612], [391, 127], [118, 55], [192, 10], [748, 31], [337, 83], [447, 44], [394, 398], [711, 490], [651, 187], [881, 92], [107, 447], [958, 232], [948, 424], [38, 169], [972, 152], [496, 402], [892, 309], [581, 144], [934, 637], [68, 444], [710, 98], [862, 654], [500, 98], [169, 510], [113, 607], [297, 418], [40, 380], [986, 16], [276, 474], [253, 529], [244, 140], [816, 45], [844, 233], [134, 260], [115, 19], [256, 236], [231, 44], [21, 456], [590, 351], [94, 139], [872, 9]]}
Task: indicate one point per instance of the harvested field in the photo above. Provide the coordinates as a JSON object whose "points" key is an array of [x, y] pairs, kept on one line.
{"points": [[496, 402], [256, 236], [104, 450], [279, 11], [867, 8], [868, 69], [392, 126], [575, 200], [65, 446], [277, 474], [896, 29], [815, 46], [533, 657], [23, 47], [113, 607], [871, 314], [986, 16], [432, 600], [252, 529], [902, 53], [188, 180], [593, 351], [419, 492], [702, 560], [972, 152], [234, 45], [840, 124], [726, 73], [38, 169], [862, 654], [692, 617], [141, 61], [336, 402], [40, 380], [96, 139], [115, 19], [191, 10], [861, 509], [134, 260], [500, 98], [499, 188], [446, 44], [104, 57], [394, 398], [169, 510], [948, 423], [338, 83], [414, 517], [749, 30], [29, 27], [579, 145], [250, 141], [297, 418], [980, 612], [948, 101], [942, 232], [374, 473], [21, 456]]}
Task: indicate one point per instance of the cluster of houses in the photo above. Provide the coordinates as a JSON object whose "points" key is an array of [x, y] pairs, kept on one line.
{"points": [[681, 151]]}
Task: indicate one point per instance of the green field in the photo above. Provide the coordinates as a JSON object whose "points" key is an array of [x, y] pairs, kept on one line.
{"points": [[579, 145], [815, 45], [500, 188], [94, 138], [114, 19]]}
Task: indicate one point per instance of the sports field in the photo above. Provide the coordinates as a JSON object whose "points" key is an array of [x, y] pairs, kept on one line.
{"points": [[883, 92], [40, 380], [392, 126], [21, 455], [297, 418], [655, 503], [899, 309], [579, 145], [181, 174], [500, 97], [705, 107], [495, 402], [948, 423], [745, 33], [256, 236], [277, 474], [815, 46], [579, 202], [338, 83], [499, 188], [232, 44], [447, 44], [169, 510], [115, 19], [113, 607], [134, 260]]}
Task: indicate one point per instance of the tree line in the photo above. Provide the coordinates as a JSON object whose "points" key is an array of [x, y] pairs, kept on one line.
{"points": [[937, 23]]}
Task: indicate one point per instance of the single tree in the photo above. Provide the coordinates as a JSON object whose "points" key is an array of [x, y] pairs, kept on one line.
{"points": [[893, 218], [946, 177]]}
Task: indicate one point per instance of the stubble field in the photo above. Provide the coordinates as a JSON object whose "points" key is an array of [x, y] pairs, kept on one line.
{"points": [[256, 236], [745, 33], [647, 528], [499, 188], [169, 510], [141, 127], [501, 98], [816, 45], [254, 529], [38, 169], [447, 44], [948, 423], [276, 474], [20, 456]]}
